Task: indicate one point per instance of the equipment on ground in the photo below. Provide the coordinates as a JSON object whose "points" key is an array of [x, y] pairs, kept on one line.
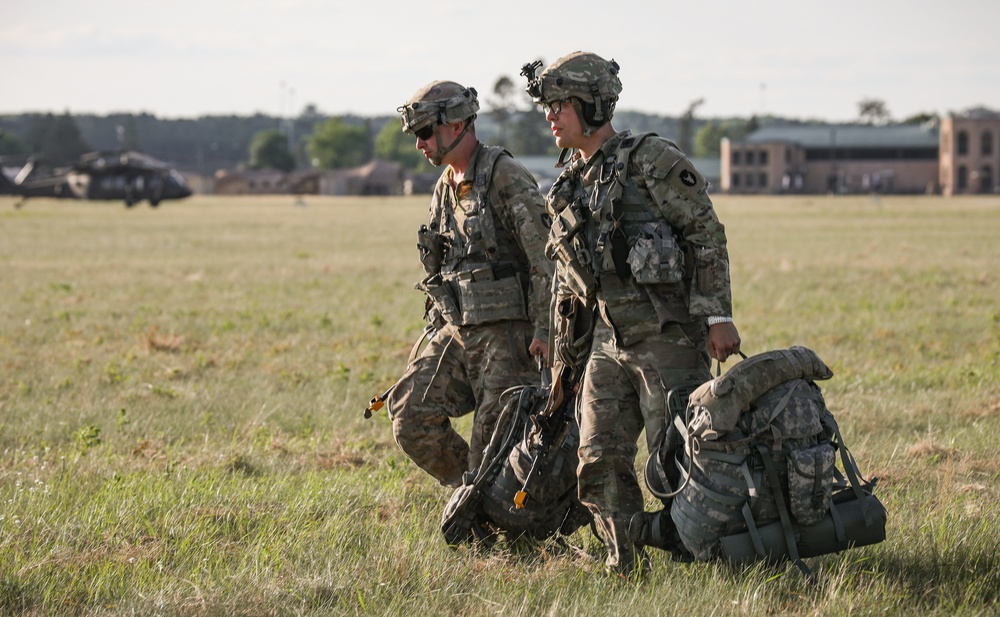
{"points": [[526, 485], [750, 471]]}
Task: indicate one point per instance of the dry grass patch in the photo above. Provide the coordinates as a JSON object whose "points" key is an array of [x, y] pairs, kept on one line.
{"points": [[928, 450], [167, 343]]}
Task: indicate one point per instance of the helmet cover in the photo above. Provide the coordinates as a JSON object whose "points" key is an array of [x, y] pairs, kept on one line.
{"points": [[583, 75], [439, 102]]}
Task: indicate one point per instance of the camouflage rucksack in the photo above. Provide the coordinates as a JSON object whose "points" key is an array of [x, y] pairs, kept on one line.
{"points": [[754, 466], [526, 484]]}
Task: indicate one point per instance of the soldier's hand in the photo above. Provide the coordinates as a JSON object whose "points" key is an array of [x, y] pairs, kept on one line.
{"points": [[723, 340], [538, 347]]}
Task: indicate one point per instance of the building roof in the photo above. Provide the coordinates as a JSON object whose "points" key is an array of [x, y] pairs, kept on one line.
{"points": [[710, 167], [848, 135]]}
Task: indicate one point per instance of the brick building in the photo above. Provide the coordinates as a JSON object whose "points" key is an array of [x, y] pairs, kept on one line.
{"points": [[970, 153], [959, 155]]}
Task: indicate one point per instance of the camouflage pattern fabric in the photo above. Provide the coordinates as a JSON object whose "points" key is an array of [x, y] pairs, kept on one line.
{"points": [[725, 478], [461, 370], [624, 392], [464, 369], [579, 74], [716, 405], [675, 192], [521, 226], [649, 338]]}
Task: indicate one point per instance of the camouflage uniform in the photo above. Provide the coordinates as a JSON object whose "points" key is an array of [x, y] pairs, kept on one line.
{"points": [[650, 337], [491, 295]]}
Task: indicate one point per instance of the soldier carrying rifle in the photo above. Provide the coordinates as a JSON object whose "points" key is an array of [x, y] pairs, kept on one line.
{"points": [[642, 290]]}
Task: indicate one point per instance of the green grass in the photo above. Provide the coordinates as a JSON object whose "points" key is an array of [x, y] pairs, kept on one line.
{"points": [[181, 432]]}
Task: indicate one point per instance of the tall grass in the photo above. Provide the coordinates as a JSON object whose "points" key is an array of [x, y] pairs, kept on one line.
{"points": [[181, 393]]}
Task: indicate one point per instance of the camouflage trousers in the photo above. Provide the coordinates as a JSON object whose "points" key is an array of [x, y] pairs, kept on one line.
{"points": [[460, 371], [624, 392]]}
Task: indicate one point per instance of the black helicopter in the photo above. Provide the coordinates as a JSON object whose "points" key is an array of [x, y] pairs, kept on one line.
{"points": [[125, 175]]}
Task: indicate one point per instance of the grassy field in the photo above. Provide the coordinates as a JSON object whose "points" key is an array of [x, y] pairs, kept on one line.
{"points": [[181, 432]]}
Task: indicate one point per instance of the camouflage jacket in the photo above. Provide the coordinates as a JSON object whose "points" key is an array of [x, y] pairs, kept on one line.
{"points": [[652, 237], [503, 226]]}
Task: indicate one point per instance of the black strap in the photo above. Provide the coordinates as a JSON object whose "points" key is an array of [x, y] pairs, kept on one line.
{"points": [[786, 519], [718, 364]]}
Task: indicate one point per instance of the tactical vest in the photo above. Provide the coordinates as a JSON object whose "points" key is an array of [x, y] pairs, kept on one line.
{"points": [[478, 278], [635, 254]]}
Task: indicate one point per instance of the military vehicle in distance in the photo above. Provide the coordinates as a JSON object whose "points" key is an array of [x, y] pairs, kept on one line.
{"points": [[126, 175]]}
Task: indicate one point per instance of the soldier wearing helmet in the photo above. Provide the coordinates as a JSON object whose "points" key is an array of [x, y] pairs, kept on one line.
{"points": [[487, 283], [641, 261]]}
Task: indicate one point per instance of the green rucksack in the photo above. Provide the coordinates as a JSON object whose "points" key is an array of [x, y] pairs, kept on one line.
{"points": [[754, 463]]}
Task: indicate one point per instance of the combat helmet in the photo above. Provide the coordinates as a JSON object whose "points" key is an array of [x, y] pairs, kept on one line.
{"points": [[439, 102], [586, 79]]}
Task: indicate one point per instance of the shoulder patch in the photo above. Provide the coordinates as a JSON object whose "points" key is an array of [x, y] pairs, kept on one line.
{"points": [[685, 179]]}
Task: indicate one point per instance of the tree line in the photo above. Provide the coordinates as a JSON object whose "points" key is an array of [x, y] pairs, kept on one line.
{"points": [[313, 139]]}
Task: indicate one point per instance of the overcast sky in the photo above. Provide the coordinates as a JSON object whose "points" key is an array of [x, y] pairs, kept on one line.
{"points": [[805, 59]]}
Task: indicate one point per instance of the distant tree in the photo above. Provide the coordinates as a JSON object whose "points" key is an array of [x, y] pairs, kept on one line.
{"points": [[62, 143], [128, 135], [392, 144], [337, 145], [920, 118], [873, 111], [269, 150], [529, 134], [37, 127], [502, 106], [708, 139], [685, 127], [311, 112], [10, 144]]}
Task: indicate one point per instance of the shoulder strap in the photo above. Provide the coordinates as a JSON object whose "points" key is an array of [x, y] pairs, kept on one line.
{"points": [[485, 165], [625, 149], [614, 173], [484, 172]]}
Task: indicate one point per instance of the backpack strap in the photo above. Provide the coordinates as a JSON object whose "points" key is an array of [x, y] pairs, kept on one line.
{"points": [[786, 519], [758, 543], [850, 467]]}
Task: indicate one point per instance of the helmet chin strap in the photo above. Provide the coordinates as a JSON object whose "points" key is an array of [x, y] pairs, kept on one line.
{"points": [[438, 158]]}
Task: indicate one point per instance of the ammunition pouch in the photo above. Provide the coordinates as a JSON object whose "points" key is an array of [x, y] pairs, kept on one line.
{"points": [[655, 257], [441, 306], [474, 297], [485, 297], [431, 246]]}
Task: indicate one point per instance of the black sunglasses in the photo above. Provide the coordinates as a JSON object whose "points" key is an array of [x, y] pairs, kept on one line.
{"points": [[425, 133], [555, 107]]}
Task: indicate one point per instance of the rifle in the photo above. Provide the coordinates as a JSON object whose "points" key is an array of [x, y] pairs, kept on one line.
{"points": [[553, 422], [560, 248]]}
